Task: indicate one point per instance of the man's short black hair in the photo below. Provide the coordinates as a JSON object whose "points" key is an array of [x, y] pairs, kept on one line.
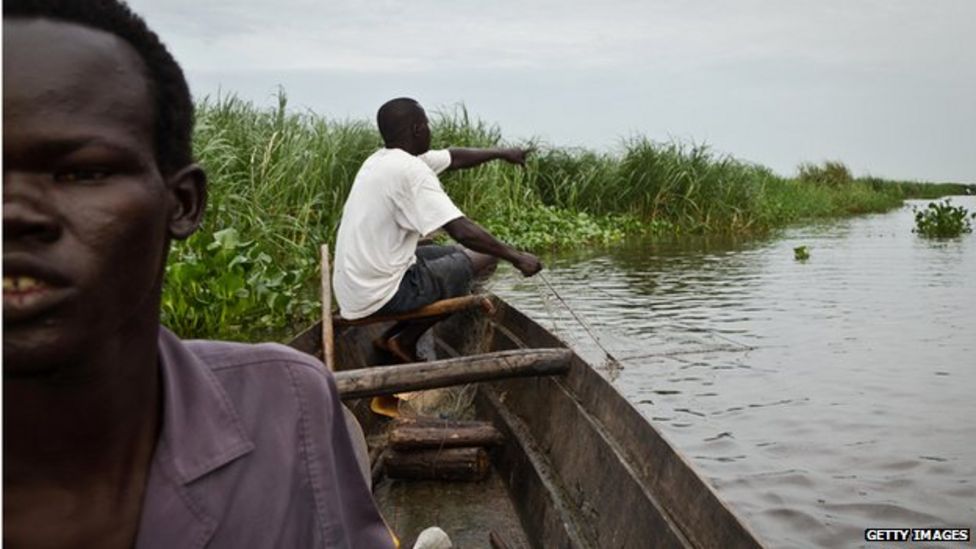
{"points": [[171, 95], [396, 116]]}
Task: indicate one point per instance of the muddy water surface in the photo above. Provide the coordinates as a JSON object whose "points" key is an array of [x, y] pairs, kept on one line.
{"points": [[819, 397]]}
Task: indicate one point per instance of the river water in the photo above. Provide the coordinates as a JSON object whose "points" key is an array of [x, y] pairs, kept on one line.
{"points": [[819, 397]]}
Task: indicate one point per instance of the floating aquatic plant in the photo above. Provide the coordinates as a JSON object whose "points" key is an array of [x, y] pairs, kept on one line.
{"points": [[943, 220]]}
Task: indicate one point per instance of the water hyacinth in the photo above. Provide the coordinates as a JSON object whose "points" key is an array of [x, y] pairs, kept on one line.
{"points": [[943, 220]]}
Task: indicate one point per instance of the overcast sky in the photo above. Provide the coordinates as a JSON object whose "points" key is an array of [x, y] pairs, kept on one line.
{"points": [[889, 87]]}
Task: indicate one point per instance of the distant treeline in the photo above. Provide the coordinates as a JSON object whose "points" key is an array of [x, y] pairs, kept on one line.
{"points": [[278, 180]]}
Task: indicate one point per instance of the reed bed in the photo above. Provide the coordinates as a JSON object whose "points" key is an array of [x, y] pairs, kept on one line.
{"points": [[278, 181]]}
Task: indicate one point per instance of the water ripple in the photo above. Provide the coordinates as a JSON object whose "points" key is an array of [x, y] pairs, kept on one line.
{"points": [[847, 379]]}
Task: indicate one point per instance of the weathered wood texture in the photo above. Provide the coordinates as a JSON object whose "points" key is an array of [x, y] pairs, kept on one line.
{"points": [[454, 371], [438, 308], [546, 506], [405, 437], [433, 464], [328, 340], [583, 465], [651, 479], [497, 541], [428, 421]]}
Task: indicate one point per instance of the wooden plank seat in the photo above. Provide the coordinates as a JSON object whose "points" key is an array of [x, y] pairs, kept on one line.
{"points": [[331, 319], [438, 308]]}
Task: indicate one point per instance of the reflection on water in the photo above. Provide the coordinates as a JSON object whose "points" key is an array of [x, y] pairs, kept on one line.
{"points": [[820, 397]]}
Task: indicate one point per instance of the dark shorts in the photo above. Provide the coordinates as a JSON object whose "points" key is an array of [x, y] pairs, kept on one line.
{"points": [[439, 273]]}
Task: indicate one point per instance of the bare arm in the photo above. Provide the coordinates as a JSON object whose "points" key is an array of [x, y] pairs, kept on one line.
{"points": [[473, 236], [469, 158]]}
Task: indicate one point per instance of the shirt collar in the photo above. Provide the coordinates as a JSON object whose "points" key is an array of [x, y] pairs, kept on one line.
{"points": [[201, 430]]}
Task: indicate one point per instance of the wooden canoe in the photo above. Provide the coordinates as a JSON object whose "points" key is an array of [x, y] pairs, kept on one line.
{"points": [[580, 466]]}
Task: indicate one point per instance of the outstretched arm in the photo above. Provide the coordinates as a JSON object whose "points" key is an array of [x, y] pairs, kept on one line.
{"points": [[473, 236], [469, 158]]}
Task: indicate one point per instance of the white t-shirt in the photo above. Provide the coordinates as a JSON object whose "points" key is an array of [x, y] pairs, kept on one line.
{"points": [[395, 199]]}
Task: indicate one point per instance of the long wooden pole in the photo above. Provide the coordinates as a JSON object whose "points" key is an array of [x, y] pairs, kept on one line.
{"points": [[385, 380], [328, 339]]}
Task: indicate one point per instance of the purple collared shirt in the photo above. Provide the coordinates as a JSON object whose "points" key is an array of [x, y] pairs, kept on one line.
{"points": [[253, 452]]}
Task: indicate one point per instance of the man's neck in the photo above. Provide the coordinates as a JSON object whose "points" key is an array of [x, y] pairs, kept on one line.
{"points": [[90, 421], [409, 148], [78, 447]]}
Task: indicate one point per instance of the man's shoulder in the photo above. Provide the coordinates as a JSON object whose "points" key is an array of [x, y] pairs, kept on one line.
{"points": [[437, 160], [390, 167], [300, 473], [231, 354], [268, 384], [433, 160], [262, 361], [404, 159]]}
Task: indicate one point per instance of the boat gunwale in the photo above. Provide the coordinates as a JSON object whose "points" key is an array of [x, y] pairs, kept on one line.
{"points": [[691, 503], [670, 483]]}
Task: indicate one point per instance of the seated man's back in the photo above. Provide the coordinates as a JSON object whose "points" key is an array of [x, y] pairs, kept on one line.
{"points": [[395, 200]]}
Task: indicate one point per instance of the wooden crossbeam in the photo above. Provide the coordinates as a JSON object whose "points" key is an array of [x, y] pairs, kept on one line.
{"points": [[416, 376]]}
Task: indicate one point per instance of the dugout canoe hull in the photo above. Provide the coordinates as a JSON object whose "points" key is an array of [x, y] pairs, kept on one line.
{"points": [[582, 467]]}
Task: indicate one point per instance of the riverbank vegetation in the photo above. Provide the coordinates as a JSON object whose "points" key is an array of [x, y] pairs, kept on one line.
{"points": [[278, 181]]}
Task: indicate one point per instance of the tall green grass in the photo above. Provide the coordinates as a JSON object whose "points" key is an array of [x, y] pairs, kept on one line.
{"points": [[278, 181]]}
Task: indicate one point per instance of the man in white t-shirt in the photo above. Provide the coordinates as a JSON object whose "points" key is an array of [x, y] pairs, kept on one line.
{"points": [[397, 199]]}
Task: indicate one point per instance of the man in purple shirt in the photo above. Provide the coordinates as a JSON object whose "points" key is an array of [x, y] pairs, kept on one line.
{"points": [[116, 433]]}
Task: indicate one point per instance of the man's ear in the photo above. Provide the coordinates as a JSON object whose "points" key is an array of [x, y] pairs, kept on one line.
{"points": [[187, 190]]}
